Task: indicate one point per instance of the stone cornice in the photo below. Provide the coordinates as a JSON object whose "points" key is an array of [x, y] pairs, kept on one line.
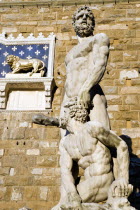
{"points": [[61, 2]]}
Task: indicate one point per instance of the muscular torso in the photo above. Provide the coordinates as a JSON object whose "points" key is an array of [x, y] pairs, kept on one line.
{"points": [[80, 63], [76, 75]]}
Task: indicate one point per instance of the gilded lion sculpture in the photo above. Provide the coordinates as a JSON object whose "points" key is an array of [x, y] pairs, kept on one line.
{"points": [[19, 65]]}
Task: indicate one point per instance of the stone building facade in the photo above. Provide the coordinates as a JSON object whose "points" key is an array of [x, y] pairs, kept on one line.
{"points": [[29, 157]]}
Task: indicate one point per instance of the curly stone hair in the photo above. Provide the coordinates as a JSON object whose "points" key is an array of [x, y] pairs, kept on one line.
{"points": [[90, 15]]}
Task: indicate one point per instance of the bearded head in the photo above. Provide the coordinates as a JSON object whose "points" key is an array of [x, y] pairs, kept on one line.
{"points": [[83, 22]]}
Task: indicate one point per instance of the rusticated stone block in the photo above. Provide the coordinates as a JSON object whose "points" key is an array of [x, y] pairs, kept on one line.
{"points": [[109, 90], [124, 108], [43, 193], [128, 74], [114, 99], [4, 171], [10, 161], [117, 56], [118, 124], [15, 133], [26, 23], [31, 133], [129, 56], [24, 124], [1, 152], [47, 161], [33, 152], [16, 194], [37, 171], [106, 83], [135, 82], [113, 108], [31, 193], [135, 107], [45, 181], [130, 90], [15, 151], [14, 17], [48, 151], [131, 99], [2, 193], [9, 29], [131, 132], [131, 115], [53, 194], [52, 133], [135, 123], [19, 180], [61, 36], [12, 172]]}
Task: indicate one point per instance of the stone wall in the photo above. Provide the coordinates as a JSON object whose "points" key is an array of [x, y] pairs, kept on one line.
{"points": [[29, 167]]}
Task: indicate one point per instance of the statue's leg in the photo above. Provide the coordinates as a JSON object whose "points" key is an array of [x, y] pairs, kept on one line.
{"points": [[69, 196], [99, 112], [95, 189]]}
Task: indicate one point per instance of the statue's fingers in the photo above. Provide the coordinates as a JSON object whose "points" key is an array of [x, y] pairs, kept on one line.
{"points": [[113, 193], [130, 189], [117, 191], [122, 191], [113, 190], [124, 188], [126, 191]]}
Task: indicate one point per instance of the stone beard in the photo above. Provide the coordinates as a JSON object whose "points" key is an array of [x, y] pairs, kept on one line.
{"points": [[84, 30], [85, 27]]}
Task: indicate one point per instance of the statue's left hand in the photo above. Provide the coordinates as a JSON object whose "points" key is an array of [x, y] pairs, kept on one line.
{"points": [[121, 188]]}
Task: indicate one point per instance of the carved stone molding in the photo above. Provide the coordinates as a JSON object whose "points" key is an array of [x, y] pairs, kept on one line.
{"points": [[59, 3], [36, 84], [24, 82]]}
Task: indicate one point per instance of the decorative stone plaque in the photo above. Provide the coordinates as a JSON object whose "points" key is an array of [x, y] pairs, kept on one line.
{"points": [[26, 72]]}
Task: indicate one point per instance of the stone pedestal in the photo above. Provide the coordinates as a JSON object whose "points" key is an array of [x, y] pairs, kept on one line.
{"points": [[26, 93]]}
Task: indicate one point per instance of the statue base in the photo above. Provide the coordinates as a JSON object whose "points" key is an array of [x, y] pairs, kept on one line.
{"points": [[116, 203]]}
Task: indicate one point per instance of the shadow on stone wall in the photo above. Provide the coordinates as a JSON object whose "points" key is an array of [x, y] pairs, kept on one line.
{"points": [[134, 174]]}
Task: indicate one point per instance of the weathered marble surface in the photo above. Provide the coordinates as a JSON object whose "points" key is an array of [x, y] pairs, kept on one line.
{"points": [[84, 115]]}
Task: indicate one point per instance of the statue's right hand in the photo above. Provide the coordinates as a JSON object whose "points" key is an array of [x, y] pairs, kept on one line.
{"points": [[83, 99]]}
